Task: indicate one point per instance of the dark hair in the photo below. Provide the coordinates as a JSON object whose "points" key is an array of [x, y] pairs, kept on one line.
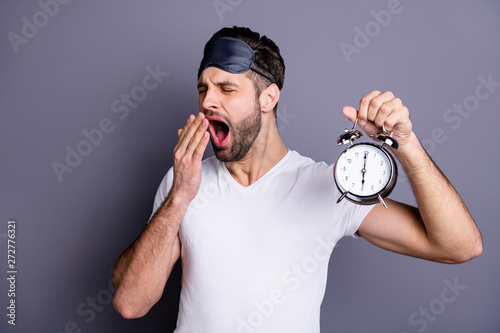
{"points": [[266, 51]]}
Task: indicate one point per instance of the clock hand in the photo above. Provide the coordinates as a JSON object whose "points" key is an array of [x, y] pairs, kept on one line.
{"points": [[364, 171]]}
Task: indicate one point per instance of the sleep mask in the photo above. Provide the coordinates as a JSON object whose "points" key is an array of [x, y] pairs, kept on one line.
{"points": [[231, 55]]}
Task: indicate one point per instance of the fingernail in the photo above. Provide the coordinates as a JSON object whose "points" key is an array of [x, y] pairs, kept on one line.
{"points": [[199, 116], [362, 123], [191, 118]]}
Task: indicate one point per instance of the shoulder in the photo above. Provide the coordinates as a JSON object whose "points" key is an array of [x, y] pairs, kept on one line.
{"points": [[307, 164], [306, 172]]}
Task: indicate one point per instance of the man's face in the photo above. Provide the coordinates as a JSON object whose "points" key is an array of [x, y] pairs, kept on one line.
{"points": [[230, 104]]}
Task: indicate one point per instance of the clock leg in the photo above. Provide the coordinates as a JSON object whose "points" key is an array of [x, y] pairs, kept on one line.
{"points": [[342, 197], [381, 201]]}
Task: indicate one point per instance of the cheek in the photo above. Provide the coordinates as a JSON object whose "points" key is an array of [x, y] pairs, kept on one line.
{"points": [[250, 104], [239, 109]]}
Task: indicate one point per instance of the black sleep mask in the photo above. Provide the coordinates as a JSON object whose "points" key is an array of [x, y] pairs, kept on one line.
{"points": [[231, 55]]}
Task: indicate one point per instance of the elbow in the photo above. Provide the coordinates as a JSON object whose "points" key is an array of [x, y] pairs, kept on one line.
{"points": [[474, 250], [127, 310], [129, 306], [478, 250]]}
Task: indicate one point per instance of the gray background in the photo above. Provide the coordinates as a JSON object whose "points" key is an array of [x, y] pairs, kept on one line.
{"points": [[64, 79]]}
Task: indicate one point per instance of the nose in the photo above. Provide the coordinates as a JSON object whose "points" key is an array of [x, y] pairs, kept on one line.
{"points": [[209, 100]]}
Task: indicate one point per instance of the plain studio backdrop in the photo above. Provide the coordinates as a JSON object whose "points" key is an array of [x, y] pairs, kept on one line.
{"points": [[92, 94]]}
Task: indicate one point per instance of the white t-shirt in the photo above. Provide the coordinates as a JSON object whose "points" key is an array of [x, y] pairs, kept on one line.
{"points": [[255, 258]]}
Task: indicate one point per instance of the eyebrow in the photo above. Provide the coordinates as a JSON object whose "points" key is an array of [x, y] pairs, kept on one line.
{"points": [[227, 83], [220, 84]]}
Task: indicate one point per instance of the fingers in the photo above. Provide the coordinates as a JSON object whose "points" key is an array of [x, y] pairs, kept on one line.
{"points": [[396, 118], [202, 145], [183, 132], [364, 104], [389, 108], [382, 109], [193, 140], [350, 112], [194, 137], [199, 140]]}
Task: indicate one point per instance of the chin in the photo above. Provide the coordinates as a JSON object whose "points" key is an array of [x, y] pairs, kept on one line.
{"points": [[224, 154]]}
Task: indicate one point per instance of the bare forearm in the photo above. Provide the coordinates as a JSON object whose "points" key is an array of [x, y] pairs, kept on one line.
{"points": [[448, 224], [142, 270]]}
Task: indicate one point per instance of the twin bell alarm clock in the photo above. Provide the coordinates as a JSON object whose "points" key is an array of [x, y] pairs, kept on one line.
{"points": [[366, 172]]}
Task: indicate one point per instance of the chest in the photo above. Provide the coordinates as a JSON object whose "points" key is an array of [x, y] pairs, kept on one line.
{"points": [[282, 223]]}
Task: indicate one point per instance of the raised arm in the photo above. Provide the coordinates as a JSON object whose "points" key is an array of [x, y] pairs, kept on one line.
{"points": [[441, 228], [142, 270]]}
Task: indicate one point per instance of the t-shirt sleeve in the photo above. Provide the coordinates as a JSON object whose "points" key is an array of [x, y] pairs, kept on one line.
{"points": [[351, 214], [355, 217], [162, 191]]}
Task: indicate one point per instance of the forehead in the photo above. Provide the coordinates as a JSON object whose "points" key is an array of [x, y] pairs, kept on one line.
{"points": [[214, 75]]}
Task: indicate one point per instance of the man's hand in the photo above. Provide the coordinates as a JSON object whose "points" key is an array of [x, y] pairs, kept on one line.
{"points": [[188, 152], [377, 109]]}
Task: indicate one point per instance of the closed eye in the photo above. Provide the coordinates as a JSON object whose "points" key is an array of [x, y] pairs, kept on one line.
{"points": [[202, 88]]}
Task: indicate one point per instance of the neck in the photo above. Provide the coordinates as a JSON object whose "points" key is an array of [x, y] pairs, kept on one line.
{"points": [[267, 150]]}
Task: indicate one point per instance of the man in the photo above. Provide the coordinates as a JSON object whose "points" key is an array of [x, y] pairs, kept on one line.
{"points": [[255, 226]]}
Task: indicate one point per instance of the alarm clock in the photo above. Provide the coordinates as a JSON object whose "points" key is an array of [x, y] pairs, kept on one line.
{"points": [[366, 173]]}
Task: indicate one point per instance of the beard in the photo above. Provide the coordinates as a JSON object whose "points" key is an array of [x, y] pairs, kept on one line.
{"points": [[243, 134]]}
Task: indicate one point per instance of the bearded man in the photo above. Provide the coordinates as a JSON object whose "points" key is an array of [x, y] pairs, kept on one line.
{"points": [[255, 224]]}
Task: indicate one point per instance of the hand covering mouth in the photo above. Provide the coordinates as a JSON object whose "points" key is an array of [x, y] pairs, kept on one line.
{"points": [[219, 131]]}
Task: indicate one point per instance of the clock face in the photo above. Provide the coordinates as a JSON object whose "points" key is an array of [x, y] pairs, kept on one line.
{"points": [[364, 170]]}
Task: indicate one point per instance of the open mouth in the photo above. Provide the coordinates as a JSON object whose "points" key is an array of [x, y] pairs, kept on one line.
{"points": [[219, 131]]}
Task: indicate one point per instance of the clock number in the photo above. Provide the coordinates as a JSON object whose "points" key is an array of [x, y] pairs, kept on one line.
{"points": [[356, 154], [349, 160], [346, 178]]}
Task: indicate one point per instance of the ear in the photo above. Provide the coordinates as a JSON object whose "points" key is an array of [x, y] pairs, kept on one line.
{"points": [[269, 97]]}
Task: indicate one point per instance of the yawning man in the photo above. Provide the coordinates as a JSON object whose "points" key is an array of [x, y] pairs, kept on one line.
{"points": [[255, 225]]}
